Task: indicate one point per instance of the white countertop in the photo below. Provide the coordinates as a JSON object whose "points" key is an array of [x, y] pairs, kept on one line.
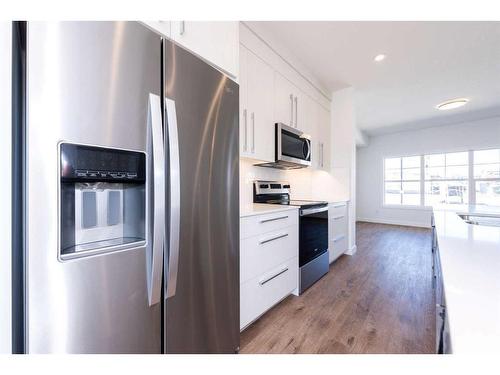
{"points": [[470, 263], [262, 208]]}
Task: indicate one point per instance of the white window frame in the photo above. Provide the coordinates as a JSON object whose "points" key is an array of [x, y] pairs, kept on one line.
{"points": [[467, 179], [471, 180], [406, 206]]}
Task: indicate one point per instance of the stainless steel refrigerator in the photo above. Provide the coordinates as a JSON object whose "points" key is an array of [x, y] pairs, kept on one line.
{"points": [[126, 170]]}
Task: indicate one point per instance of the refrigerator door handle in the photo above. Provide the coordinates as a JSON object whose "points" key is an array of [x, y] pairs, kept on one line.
{"points": [[155, 119], [174, 197]]}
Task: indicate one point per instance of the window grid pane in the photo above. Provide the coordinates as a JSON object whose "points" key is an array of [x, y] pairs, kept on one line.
{"points": [[402, 180]]}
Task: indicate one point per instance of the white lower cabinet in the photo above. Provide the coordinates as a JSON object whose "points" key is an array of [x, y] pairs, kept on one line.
{"points": [[338, 229], [261, 293], [269, 263]]}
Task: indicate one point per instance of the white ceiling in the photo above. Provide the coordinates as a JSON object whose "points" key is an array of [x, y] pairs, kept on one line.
{"points": [[427, 63]]}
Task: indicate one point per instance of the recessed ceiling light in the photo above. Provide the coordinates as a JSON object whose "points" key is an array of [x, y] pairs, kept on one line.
{"points": [[451, 104], [379, 58]]}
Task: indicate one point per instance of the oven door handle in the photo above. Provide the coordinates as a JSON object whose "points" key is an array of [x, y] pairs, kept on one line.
{"points": [[309, 211]]}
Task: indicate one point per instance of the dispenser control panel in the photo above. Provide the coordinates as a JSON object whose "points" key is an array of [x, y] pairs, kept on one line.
{"points": [[88, 163]]}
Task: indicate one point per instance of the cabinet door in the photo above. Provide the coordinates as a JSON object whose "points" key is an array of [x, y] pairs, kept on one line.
{"points": [[305, 113], [284, 94], [163, 27], [325, 134], [245, 150], [215, 41], [260, 83]]}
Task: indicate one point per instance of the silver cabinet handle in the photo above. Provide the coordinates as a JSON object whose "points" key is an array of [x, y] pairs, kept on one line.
{"points": [[338, 217], [155, 263], [320, 163], [273, 277], [338, 238], [246, 129], [174, 213], [291, 110], [322, 154], [182, 27], [338, 205], [296, 111], [273, 239], [273, 219], [253, 132]]}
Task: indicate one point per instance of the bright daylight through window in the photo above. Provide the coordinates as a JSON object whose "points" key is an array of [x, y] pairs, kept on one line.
{"points": [[443, 180]]}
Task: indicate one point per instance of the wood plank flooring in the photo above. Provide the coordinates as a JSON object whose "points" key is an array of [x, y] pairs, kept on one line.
{"points": [[378, 301]]}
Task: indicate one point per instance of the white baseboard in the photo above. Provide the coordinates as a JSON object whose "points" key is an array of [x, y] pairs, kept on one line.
{"points": [[395, 222], [352, 250]]}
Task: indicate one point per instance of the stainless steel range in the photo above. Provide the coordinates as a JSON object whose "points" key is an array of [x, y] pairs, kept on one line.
{"points": [[313, 229]]}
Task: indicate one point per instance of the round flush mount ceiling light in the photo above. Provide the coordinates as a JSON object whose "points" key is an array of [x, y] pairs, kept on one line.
{"points": [[452, 104], [379, 58]]}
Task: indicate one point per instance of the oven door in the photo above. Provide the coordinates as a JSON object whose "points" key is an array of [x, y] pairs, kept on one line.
{"points": [[292, 145], [313, 236]]}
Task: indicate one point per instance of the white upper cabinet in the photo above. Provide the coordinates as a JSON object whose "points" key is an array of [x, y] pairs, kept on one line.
{"points": [[292, 106], [284, 100], [163, 27], [256, 107], [215, 41]]}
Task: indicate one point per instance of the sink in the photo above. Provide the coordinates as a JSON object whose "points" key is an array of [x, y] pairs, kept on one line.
{"points": [[481, 219]]}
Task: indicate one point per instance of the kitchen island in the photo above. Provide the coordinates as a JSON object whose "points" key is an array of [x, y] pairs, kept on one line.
{"points": [[468, 256]]}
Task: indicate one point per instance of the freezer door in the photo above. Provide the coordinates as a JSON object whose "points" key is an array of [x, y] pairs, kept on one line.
{"points": [[95, 84], [202, 281]]}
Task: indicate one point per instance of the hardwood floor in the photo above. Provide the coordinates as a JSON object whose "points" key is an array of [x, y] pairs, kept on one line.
{"points": [[378, 301]]}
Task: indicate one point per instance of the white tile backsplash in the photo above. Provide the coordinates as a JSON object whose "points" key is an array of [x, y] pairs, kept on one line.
{"points": [[305, 183]]}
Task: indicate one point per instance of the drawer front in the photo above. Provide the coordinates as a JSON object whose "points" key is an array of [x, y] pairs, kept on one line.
{"points": [[337, 209], [260, 224], [262, 292], [338, 225], [264, 252], [338, 246]]}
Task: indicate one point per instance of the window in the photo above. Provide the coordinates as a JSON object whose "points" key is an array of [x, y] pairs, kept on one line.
{"points": [[487, 177], [445, 179], [402, 181]]}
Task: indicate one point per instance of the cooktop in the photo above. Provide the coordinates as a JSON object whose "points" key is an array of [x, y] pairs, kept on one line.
{"points": [[274, 192]]}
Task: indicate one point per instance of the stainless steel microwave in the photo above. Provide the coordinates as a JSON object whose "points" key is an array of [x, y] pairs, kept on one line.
{"points": [[292, 148]]}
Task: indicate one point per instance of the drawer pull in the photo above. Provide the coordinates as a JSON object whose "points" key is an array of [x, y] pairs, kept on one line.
{"points": [[338, 238], [273, 239], [273, 219], [338, 217], [273, 277], [338, 205]]}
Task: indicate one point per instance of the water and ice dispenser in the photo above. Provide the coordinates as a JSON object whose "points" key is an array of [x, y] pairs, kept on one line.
{"points": [[103, 199]]}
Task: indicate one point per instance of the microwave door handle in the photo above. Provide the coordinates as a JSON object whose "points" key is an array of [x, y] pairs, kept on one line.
{"points": [[307, 152], [155, 263], [174, 214]]}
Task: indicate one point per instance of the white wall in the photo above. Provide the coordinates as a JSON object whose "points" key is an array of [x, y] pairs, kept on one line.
{"points": [[459, 137], [5, 187]]}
